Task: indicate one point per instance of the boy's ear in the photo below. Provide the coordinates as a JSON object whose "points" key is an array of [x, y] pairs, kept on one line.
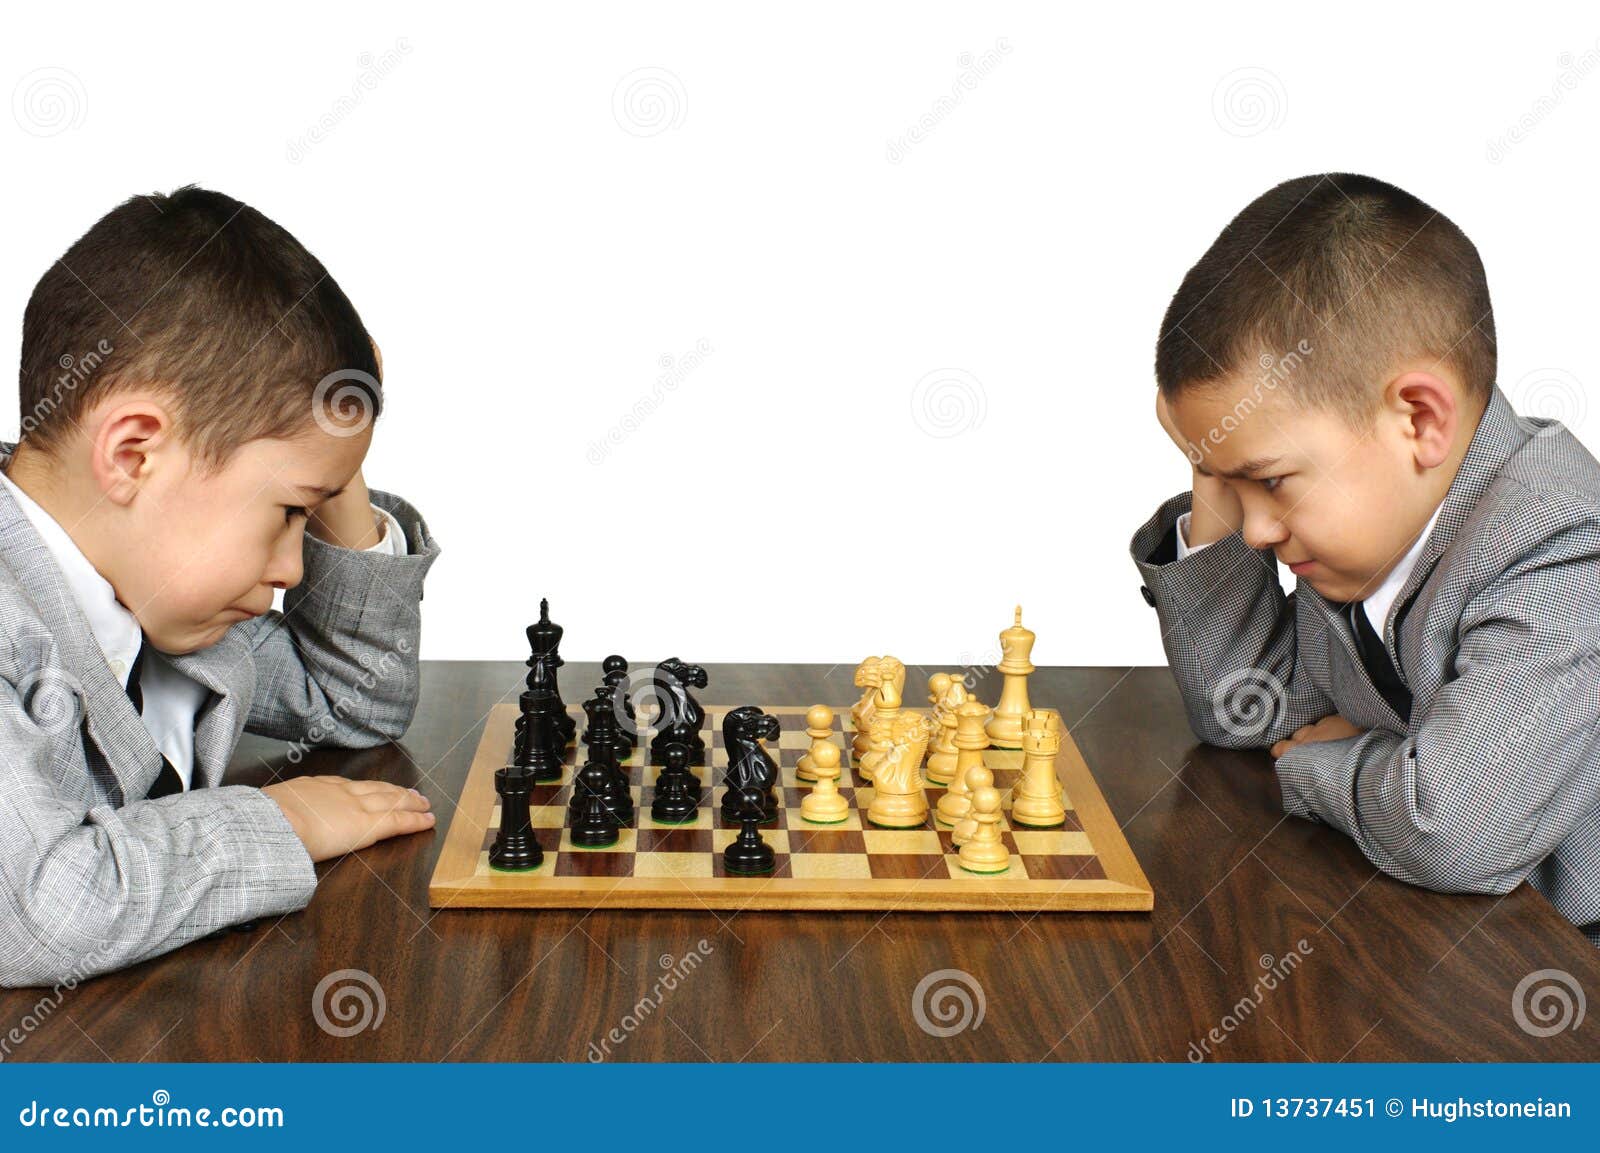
{"points": [[124, 445], [1429, 412]]}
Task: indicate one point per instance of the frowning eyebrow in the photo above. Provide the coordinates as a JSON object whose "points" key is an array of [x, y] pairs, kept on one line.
{"points": [[319, 492], [1246, 470]]}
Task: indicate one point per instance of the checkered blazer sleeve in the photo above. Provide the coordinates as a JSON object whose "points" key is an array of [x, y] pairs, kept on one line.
{"points": [[88, 888], [1504, 764], [1230, 635], [339, 664]]}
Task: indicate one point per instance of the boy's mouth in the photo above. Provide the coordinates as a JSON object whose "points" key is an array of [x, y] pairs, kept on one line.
{"points": [[1300, 568]]}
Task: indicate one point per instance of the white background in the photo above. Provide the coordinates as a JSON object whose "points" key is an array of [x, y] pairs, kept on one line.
{"points": [[532, 210]]}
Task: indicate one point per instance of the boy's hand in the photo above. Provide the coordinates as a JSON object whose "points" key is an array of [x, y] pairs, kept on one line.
{"points": [[347, 520], [1216, 511], [1332, 728], [333, 816]]}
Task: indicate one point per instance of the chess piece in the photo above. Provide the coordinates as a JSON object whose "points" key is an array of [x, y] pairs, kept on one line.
{"points": [[515, 847], [676, 801], [978, 777], [1036, 798], [614, 672], [885, 710], [940, 768], [971, 740], [603, 741], [749, 854], [824, 804], [1005, 727], [898, 801], [749, 765], [680, 718], [594, 824], [985, 853], [538, 746], [544, 639], [819, 727], [867, 680]]}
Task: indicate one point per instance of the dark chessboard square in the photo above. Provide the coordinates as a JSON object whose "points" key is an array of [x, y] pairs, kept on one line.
{"points": [[549, 794], [780, 868], [593, 863], [654, 838], [821, 839], [907, 866], [1086, 868]]}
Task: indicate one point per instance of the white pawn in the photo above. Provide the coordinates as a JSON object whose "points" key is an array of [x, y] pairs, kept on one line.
{"points": [[819, 727], [823, 805], [985, 853], [978, 777]]}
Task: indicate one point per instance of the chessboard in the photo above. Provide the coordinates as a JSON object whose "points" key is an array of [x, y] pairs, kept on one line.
{"points": [[1084, 865]]}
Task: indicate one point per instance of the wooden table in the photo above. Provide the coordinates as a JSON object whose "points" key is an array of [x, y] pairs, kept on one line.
{"points": [[1386, 971]]}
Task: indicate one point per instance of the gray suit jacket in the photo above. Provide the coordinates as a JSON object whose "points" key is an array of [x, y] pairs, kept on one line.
{"points": [[94, 876], [1495, 778]]}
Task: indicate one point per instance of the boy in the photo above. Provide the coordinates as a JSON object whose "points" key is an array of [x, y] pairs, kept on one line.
{"points": [[1432, 686], [197, 399]]}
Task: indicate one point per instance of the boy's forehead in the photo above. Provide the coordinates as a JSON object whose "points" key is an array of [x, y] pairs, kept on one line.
{"points": [[1235, 424], [316, 459]]}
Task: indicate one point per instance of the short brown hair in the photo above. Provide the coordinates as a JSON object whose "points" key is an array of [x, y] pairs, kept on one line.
{"points": [[204, 298], [1361, 271]]}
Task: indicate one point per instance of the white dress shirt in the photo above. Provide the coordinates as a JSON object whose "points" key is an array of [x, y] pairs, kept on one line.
{"points": [[172, 701], [1381, 600]]}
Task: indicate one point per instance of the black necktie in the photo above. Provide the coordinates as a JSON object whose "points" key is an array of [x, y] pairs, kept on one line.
{"points": [[1376, 659], [168, 782]]}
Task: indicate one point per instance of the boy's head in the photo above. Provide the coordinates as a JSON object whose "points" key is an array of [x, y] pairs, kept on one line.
{"points": [[192, 382], [1329, 356]]}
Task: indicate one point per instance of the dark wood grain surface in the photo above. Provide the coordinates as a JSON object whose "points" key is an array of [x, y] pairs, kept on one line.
{"points": [[1386, 971]]}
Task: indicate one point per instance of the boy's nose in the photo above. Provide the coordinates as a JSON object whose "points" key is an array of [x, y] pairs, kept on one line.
{"points": [[1262, 531]]}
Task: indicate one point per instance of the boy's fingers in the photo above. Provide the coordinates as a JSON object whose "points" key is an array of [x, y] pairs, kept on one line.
{"points": [[398, 822], [393, 798]]}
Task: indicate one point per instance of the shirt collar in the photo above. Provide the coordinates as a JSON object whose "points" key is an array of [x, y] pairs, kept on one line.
{"points": [[1382, 599], [115, 629]]}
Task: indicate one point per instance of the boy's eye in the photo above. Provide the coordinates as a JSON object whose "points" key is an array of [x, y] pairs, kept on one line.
{"points": [[290, 511], [1271, 483]]}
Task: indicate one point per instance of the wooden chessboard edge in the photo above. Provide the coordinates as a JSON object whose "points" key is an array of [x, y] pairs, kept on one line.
{"points": [[744, 894]]}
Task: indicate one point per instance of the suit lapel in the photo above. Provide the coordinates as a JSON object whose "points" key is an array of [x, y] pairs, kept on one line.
{"points": [[228, 670], [1500, 432], [127, 751]]}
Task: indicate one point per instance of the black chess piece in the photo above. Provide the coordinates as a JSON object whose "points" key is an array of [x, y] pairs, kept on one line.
{"points": [[538, 747], [749, 854], [594, 824], [614, 670], [544, 639], [515, 847], [681, 717], [749, 765], [602, 738], [677, 792]]}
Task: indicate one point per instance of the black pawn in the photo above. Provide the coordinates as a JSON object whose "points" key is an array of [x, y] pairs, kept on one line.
{"points": [[614, 670], [515, 846], [676, 789], [594, 825], [749, 854]]}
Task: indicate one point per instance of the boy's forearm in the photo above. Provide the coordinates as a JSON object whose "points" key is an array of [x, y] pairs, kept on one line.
{"points": [[339, 665]]}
